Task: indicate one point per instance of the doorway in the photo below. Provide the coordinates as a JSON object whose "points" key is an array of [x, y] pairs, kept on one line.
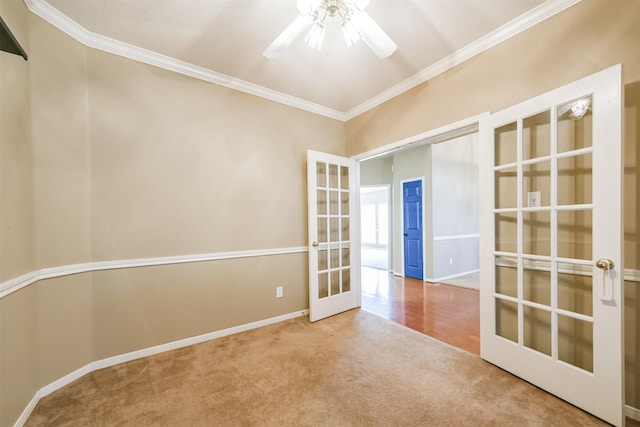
{"points": [[374, 224], [446, 312]]}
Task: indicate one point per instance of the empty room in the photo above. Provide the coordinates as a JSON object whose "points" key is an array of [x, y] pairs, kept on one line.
{"points": [[180, 185]]}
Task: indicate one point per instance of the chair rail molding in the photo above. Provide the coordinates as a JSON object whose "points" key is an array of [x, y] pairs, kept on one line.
{"points": [[27, 279]]}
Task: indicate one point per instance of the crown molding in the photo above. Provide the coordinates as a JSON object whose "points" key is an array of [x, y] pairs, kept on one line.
{"points": [[116, 47], [107, 44], [518, 25]]}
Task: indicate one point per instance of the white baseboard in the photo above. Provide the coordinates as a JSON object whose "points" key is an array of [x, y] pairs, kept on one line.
{"points": [[127, 357], [453, 276]]}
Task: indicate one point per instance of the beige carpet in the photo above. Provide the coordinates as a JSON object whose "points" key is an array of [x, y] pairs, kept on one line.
{"points": [[354, 369]]}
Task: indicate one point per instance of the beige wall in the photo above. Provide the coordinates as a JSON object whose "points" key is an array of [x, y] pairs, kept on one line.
{"points": [[16, 218], [110, 159], [584, 39], [18, 313]]}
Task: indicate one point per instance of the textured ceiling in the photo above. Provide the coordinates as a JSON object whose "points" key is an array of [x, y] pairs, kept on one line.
{"points": [[228, 37]]}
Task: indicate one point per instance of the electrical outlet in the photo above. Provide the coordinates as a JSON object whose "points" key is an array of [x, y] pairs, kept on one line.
{"points": [[450, 261], [279, 293]]}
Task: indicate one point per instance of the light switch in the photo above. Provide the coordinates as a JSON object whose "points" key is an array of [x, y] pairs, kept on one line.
{"points": [[533, 199]]}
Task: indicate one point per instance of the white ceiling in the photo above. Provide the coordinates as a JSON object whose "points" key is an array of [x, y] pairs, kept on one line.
{"points": [[223, 41]]}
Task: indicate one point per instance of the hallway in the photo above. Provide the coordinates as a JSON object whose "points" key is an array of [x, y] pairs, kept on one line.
{"points": [[445, 312]]}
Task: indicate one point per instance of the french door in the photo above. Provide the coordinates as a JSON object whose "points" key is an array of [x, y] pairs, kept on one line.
{"points": [[551, 258], [334, 246]]}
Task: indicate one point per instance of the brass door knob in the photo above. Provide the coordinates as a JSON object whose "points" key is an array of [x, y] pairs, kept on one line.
{"points": [[315, 244], [604, 264]]}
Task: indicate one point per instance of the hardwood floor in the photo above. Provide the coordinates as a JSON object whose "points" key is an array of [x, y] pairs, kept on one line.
{"points": [[445, 312]]}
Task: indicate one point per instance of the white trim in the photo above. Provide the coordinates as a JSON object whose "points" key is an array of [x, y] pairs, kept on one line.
{"points": [[116, 47], [631, 412], [453, 276], [469, 125], [150, 351], [505, 32], [106, 44], [27, 279], [456, 237], [632, 276]]}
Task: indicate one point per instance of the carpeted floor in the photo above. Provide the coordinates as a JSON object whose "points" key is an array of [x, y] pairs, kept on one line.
{"points": [[353, 369]]}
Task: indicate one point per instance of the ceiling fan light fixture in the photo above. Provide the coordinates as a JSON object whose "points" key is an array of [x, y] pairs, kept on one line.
{"points": [[356, 24], [315, 38], [579, 108], [351, 33]]}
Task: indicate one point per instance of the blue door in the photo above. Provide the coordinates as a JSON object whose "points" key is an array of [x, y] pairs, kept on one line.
{"points": [[412, 214]]}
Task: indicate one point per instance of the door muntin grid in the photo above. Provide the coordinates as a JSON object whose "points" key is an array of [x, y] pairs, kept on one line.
{"points": [[543, 234], [333, 229]]}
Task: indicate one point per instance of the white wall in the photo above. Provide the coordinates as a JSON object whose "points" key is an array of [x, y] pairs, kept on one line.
{"points": [[454, 181]]}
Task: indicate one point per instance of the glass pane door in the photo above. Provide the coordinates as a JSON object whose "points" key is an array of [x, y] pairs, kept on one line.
{"points": [[333, 283], [543, 233], [551, 289]]}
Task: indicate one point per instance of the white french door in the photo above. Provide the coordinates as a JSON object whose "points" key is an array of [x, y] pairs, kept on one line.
{"points": [[551, 259], [334, 246]]}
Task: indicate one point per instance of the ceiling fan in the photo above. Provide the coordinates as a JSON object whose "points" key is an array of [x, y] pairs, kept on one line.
{"points": [[355, 22]]}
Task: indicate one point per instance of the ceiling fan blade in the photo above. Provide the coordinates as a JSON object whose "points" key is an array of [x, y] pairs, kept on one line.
{"points": [[285, 38], [306, 7], [374, 36]]}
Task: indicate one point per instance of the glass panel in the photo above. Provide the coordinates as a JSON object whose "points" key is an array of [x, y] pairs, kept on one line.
{"points": [[537, 233], [323, 285], [333, 203], [344, 177], [536, 136], [322, 202], [537, 329], [322, 260], [536, 185], [345, 203], [334, 230], [575, 291], [506, 184], [537, 284], [506, 232], [345, 229], [507, 277], [575, 175], [321, 174], [334, 258], [346, 257], [574, 130], [507, 319], [506, 139], [575, 342], [335, 282], [322, 230], [333, 176], [574, 234], [346, 280]]}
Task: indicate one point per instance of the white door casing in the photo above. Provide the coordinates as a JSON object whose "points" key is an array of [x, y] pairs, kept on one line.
{"points": [[550, 210], [334, 234]]}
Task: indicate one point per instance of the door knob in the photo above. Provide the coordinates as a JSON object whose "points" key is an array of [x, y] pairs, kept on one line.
{"points": [[315, 244], [606, 281], [604, 264]]}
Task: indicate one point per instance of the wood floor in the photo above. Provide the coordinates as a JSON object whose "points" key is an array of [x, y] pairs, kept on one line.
{"points": [[445, 312]]}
